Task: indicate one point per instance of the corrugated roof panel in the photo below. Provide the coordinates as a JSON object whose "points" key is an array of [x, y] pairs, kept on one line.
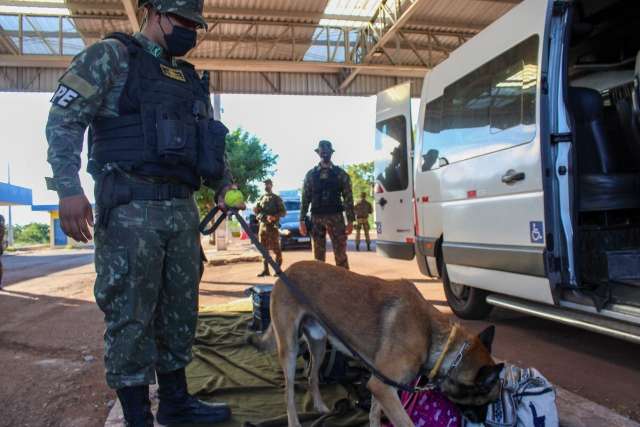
{"points": [[470, 14], [29, 79]]}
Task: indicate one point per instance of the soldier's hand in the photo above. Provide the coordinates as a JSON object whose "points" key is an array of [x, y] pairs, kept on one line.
{"points": [[349, 229], [76, 217], [271, 218], [302, 228]]}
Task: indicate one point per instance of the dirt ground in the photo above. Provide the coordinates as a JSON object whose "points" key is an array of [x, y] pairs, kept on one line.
{"points": [[51, 343]]}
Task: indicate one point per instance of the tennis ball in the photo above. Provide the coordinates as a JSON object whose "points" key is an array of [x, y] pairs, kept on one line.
{"points": [[233, 198]]}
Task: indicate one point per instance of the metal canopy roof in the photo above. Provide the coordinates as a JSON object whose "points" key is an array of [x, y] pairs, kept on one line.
{"points": [[14, 195], [323, 47]]}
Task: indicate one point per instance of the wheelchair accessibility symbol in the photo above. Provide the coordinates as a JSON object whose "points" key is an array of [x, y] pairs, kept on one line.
{"points": [[536, 231]]}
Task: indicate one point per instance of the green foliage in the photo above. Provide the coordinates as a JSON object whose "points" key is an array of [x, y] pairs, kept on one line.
{"points": [[361, 175], [250, 162], [31, 233], [362, 180]]}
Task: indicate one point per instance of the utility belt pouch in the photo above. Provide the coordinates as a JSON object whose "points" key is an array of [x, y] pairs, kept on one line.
{"points": [[211, 147], [110, 193]]}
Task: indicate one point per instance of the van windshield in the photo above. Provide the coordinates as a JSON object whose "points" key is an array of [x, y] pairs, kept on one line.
{"points": [[390, 166]]}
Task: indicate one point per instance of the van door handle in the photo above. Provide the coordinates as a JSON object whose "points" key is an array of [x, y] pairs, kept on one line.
{"points": [[382, 201], [511, 177]]}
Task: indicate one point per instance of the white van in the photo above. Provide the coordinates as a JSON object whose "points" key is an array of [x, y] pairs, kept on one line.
{"points": [[523, 187]]}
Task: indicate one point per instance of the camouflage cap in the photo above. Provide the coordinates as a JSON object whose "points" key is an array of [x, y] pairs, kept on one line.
{"points": [[324, 145], [187, 9], [267, 181]]}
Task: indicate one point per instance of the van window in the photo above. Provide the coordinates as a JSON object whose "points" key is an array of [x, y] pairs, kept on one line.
{"points": [[489, 109], [390, 166]]}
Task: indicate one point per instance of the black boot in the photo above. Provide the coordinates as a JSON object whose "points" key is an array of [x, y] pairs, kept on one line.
{"points": [[368, 247], [136, 406], [177, 406], [265, 270], [358, 246]]}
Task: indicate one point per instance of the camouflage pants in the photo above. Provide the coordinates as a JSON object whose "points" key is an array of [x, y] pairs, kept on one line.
{"points": [[334, 225], [362, 223], [270, 239], [148, 268]]}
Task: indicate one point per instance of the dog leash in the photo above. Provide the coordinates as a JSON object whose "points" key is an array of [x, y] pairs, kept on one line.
{"points": [[301, 297]]}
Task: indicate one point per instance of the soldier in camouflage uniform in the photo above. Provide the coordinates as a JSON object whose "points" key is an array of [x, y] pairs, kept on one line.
{"points": [[152, 142], [2, 243], [327, 188], [363, 209], [269, 209]]}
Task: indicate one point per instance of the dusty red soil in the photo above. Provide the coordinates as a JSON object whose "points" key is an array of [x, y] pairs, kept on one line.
{"points": [[51, 370]]}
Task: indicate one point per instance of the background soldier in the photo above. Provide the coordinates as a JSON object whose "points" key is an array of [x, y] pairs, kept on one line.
{"points": [[269, 210], [152, 143], [2, 244], [363, 209], [327, 188]]}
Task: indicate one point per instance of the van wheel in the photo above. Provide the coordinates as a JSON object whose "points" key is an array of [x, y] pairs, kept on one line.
{"points": [[466, 302]]}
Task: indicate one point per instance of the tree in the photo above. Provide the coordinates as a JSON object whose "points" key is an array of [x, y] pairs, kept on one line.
{"points": [[31, 233], [362, 180], [250, 162], [361, 175]]}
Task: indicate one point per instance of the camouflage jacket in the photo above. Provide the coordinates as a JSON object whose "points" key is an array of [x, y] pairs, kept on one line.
{"points": [[363, 209], [345, 190], [90, 88], [270, 204]]}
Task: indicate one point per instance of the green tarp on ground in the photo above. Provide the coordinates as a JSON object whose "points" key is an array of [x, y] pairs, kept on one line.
{"points": [[227, 369]]}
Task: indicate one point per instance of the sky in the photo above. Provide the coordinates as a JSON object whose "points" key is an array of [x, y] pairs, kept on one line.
{"points": [[290, 125]]}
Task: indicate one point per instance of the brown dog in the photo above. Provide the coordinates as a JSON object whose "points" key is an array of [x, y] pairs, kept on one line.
{"points": [[387, 322]]}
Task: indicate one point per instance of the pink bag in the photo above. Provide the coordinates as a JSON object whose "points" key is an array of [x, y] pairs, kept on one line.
{"points": [[430, 408]]}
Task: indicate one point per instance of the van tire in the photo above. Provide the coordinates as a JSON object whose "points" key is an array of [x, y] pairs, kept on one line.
{"points": [[474, 306]]}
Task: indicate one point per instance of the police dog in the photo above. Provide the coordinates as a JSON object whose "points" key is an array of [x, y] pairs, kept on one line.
{"points": [[387, 322]]}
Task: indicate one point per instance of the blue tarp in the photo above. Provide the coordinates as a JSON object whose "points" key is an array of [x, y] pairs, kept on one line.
{"points": [[14, 195]]}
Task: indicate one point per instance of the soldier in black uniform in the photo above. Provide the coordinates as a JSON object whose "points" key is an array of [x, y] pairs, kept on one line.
{"points": [[327, 189]]}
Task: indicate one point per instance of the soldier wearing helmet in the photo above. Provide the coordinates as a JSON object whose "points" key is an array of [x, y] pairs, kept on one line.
{"points": [[327, 190], [152, 142]]}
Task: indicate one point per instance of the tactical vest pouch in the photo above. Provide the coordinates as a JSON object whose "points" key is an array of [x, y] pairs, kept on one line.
{"points": [[211, 146], [176, 136]]}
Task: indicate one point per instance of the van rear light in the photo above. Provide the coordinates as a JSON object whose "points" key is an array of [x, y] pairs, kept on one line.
{"points": [[379, 188], [416, 227], [409, 240], [472, 194]]}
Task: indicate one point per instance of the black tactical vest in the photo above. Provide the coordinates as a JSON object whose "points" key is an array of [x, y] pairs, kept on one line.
{"points": [[325, 198], [166, 127]]}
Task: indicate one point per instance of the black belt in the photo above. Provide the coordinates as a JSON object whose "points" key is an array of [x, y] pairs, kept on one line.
{"points": [[159, 191]]}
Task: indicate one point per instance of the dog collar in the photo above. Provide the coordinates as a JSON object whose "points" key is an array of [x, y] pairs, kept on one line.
{"points": [[450, 340]]}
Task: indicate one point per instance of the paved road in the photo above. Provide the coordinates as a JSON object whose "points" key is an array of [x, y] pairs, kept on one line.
{"points": [[597, 367], [29, 265]]}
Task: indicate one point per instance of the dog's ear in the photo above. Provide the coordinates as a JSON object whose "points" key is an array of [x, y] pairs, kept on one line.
{"points": [[488, 375], [486, 337]]}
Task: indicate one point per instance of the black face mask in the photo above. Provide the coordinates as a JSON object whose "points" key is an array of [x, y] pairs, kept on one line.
{"points": [[180, 41], [326, 156]]}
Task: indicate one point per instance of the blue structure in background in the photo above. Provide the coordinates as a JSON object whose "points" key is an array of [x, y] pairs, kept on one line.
{"points": [[11, 195], [56, 235]]}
